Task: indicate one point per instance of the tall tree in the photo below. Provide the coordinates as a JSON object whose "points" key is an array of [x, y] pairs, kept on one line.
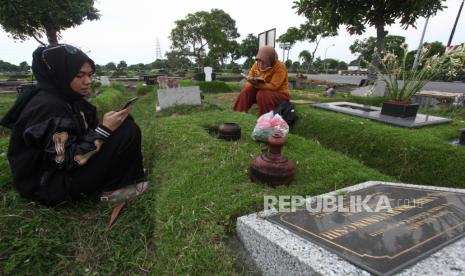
{"points": [[203, 31], [24, 67], [309, 31], [178, 59], [111, 66], [366, 47], [248, 49], [122, 65], [306, 58], [356, 15], [33, 18]]}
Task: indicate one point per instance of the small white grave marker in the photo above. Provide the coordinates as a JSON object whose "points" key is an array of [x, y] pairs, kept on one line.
{"points": [[208, 73]]}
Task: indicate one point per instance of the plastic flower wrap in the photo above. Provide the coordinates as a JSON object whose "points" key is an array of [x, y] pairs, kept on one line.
{"points": [[268, 125]]}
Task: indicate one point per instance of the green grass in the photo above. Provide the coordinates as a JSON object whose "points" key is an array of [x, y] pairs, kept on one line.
{"points": [[203, 185], [420, 156], [199, 186]]}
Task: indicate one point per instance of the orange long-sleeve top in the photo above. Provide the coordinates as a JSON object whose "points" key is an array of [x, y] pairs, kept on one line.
{"points": [[275, 78]]}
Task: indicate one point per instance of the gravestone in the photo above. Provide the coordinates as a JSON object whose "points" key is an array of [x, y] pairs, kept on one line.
{"points": [[105, 81], [168, 82], [208, 73], [169, 97], [422, 232]]}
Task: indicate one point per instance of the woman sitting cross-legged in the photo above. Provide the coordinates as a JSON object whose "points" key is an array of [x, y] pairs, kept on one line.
{"points": [[267, 83], [58, 150]]}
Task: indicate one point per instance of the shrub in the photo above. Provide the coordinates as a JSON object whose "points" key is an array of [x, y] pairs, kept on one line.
{"points": [[118, 86], [214, 87], [420, 156], [184, 83], [234, 86]]}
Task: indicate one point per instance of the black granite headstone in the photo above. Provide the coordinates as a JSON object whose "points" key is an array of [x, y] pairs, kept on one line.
{"points": [[415, 223]]}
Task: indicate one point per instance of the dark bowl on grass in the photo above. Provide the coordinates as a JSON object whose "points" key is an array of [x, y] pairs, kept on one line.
{"points": [[229, 131]]}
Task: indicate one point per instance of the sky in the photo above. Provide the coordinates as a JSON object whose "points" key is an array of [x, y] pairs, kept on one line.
{"points": [[128, 30]]}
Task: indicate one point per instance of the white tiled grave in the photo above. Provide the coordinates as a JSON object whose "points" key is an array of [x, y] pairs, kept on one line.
{"points": [[278, 251], [169, 97]]}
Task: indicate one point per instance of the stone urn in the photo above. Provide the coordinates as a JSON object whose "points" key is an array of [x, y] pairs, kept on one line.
{"points": [[271, 167]]}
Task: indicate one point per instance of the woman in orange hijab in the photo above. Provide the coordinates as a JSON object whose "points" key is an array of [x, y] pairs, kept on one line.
{"points": [[266, 85]]}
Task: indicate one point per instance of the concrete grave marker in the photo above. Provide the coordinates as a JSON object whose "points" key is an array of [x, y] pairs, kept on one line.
{"points": [[208, 73], [169, 97]]}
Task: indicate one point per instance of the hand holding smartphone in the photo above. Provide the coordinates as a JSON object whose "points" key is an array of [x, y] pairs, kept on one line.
{"points": [[258, 79], [130, 102]]}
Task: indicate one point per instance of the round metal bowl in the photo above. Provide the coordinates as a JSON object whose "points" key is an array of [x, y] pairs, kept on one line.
{"points": [[229, 131]]}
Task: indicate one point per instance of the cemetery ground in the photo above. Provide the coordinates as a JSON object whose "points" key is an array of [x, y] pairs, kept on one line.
{"points": [[185, 223]]}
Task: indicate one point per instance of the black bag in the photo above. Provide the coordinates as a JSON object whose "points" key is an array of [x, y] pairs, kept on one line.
{"points": [[287, 112]]}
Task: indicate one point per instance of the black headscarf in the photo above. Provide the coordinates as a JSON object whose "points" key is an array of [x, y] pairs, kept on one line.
{"points": [[54, 67]]}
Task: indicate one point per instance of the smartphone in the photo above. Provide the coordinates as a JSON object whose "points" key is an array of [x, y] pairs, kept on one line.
{"points": [[258, 79], [131, 101]]}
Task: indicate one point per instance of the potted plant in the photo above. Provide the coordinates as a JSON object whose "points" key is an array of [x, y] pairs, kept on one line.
{"points": [[402, 83]]}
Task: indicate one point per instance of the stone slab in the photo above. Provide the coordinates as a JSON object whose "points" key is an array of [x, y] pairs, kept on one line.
{"points": [[374, 113], [278, 251], [169, 97]]}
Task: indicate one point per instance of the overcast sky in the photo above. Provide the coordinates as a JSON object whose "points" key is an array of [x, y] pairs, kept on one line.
{"points": [[128, 30]]}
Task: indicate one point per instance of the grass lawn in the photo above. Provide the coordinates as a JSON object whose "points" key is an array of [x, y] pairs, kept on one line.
{"points": [[200, 185], [181, 226]]}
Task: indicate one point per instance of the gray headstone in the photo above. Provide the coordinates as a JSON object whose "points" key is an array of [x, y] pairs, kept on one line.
{"points": [[208, 73], [105, 81], [178, 96]]}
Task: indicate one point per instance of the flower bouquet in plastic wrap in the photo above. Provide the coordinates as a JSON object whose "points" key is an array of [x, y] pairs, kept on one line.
{"points": [[268, 125]]}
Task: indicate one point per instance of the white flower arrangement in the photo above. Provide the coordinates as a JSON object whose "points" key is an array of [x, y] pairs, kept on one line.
{"points": [[393, 69]]}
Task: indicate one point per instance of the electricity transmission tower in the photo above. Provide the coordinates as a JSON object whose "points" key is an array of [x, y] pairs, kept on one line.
{"points": [[158, 50]]}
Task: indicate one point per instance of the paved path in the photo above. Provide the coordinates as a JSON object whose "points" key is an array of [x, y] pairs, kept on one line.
{"points": [[454, 87]]}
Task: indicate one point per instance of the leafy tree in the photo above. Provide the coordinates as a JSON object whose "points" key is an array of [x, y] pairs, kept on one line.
{"points": [[366, 47], [33, 18], [434, 48], [306, 58], [137, 67], [249, 46], [8, 67], [330, 63], [177, 59], [159, 64], [342, 65], [356, 15], [288, 64], [111, 66], [122, 65], [202, 31], [309, 31], [295, 66]]}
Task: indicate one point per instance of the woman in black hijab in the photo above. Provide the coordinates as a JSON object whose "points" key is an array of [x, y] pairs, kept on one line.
{"points": [[58, 150]]}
